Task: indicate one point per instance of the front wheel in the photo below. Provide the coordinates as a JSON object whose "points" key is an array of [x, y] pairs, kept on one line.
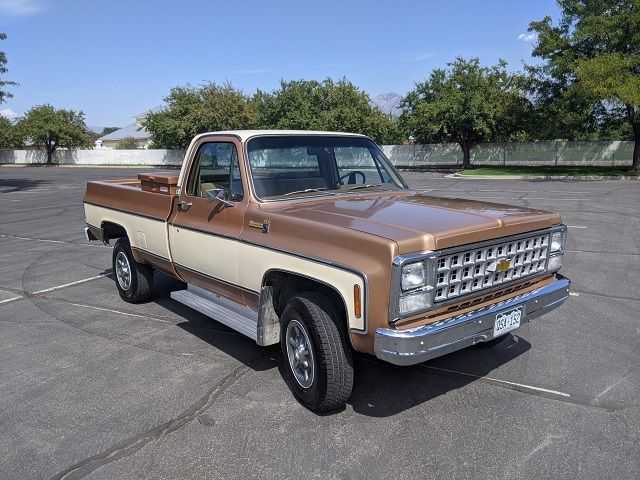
{"points": [[134, 280], [317, 363]]}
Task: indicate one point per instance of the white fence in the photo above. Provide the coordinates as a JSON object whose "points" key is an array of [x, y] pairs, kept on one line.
{"points": [[555, 153]]}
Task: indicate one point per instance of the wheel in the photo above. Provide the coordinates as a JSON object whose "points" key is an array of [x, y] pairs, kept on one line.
{"points": [[316, 358], [353, 177], [134, 280], [493, 342]]}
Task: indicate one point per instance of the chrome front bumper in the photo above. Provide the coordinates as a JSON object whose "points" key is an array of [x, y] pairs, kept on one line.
{"points": [[416, 345]]}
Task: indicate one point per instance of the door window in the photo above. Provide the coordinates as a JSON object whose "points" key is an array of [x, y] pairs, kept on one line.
{"points": [[216, 167]]}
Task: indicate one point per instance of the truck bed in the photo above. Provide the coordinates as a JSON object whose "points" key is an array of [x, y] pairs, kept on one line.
{"points": [[149, 196]]}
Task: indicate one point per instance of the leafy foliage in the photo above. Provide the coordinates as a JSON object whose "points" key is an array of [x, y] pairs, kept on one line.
{"points": [[8, 134], [49, 129], [328, 105], [467, 104], [194, 110], [593, 56], [3, 69]]}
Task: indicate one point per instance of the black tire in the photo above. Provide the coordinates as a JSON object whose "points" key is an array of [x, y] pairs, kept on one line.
{"points": [[332, 382], [139, 288], [493, 342]]}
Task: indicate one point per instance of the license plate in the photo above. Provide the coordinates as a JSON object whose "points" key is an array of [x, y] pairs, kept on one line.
{"points": [[507, 321]]}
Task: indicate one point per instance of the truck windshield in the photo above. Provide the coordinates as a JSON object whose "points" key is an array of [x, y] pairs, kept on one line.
{"points": [[300, 165]]}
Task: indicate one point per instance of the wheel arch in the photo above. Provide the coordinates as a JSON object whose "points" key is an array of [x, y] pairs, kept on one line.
{"points": [[286, 284]]}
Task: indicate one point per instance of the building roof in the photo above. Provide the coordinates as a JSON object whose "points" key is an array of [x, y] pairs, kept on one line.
{"points": [[130, 131], [246, 134]]}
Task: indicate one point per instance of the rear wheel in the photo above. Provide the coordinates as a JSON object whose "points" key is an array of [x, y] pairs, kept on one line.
{"points": [[134, 280], [317, 363]]}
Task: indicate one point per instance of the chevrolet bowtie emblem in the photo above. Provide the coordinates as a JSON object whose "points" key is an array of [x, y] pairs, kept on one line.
{"points": [[503, 265]]}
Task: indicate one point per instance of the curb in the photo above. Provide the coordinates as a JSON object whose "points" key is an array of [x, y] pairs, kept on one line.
{"points": [[564, 178]]}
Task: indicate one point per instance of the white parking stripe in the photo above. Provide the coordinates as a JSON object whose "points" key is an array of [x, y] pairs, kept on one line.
{"points": [[70, 284], [576, 226], [110, 310], [504, 382], [12, 299]]}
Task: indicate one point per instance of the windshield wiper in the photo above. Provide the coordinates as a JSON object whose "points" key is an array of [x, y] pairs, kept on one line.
{"points": [[306, 190], [368, 185]]}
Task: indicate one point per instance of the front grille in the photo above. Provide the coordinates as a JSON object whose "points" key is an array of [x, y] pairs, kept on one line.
{"points": [[473, 270]]}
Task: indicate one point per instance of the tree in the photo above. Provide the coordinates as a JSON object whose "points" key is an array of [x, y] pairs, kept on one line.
{"points": [[327, 105], [467, 104], [8, 135], [3, 69], [127, 143], [193, 110], [49, 129], [595, 50]]}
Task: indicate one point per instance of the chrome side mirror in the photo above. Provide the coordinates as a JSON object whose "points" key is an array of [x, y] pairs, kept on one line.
{"points": [[217, 195]]}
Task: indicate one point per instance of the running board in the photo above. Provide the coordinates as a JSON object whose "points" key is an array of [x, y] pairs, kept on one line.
{"points": [[237, 317]]}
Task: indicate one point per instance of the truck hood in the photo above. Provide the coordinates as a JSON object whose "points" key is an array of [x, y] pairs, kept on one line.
{"points": [[418, 222]]}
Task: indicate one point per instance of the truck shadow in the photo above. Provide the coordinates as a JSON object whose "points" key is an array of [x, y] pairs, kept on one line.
{"points": [[381, 389]]}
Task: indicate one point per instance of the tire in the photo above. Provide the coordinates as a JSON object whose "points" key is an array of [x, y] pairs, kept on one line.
{"points": [[136, 286], [330, 383]]}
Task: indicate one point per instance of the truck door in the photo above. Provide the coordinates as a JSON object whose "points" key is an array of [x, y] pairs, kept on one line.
{"points": [[204, 230]]}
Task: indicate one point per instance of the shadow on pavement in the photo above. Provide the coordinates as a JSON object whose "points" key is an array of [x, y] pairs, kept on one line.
{"points": [[10, 185], [382, 389]]}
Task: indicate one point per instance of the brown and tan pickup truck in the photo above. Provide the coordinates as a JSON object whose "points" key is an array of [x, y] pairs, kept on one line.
{"points": [[314, 241]]}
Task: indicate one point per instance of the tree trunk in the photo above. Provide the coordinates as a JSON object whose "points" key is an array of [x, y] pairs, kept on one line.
{"points": [[466, 155], [635, 166], [634, 119]]}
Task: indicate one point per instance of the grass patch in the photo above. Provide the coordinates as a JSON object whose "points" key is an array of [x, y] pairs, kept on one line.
{"points": [[548, 171]]}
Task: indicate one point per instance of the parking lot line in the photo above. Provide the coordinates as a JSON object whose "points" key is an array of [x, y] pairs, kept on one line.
{"points": [[521, 386], [70, 284], [110, 310], [12, 299]]}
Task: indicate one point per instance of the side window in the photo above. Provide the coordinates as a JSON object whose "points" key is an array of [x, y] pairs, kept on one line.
{"points": [[216, 167]]}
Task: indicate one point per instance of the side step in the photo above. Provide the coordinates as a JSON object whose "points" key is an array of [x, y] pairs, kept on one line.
{"points": [[237, 317]]}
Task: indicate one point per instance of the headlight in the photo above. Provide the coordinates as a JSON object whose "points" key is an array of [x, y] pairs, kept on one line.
{"points": [[557, 241], [414, 301], [413, 276]]}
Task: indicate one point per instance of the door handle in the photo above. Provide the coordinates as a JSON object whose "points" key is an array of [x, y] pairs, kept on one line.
{"points": [[183, 205]]}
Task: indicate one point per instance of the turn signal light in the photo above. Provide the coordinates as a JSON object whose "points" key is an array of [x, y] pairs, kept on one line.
{"points": [[357, 302]]}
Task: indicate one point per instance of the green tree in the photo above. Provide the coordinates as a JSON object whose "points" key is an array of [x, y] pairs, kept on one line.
{"points": [[47, 128], [8, 134], [193, 110], [127, 143], [3, 69], [467, 104], [327, 105], [594, 50]]}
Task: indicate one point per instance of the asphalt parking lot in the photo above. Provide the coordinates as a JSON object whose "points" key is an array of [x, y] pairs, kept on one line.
{"points": [[92, 387]]}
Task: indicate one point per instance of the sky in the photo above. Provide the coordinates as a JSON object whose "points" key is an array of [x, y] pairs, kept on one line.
{"points": [[115, 59]]}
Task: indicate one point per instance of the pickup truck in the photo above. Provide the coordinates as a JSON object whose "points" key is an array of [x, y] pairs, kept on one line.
{"points": [[314, 241]]}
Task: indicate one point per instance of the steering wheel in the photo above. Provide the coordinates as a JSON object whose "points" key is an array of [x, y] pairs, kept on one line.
{"points": [[352, 177]]}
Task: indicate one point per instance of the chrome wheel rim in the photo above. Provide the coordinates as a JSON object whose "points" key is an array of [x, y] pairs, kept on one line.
{"points": [[123, 271], [300, 353]]}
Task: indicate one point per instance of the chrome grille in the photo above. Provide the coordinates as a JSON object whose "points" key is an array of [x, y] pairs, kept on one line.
{"points": [[474, 269]]}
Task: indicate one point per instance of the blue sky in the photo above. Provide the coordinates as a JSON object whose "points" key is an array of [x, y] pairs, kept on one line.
{"points": [[114, 59]]}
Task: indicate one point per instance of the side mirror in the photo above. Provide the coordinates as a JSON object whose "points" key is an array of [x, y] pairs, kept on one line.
{"points": [[217, 195]]}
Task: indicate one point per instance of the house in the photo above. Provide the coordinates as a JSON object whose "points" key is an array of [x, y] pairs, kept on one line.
{"points": [[135, 131]]}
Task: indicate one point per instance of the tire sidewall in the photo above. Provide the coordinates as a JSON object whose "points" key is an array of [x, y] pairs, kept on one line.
{"points": [[312, 395], [123, 246]]}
